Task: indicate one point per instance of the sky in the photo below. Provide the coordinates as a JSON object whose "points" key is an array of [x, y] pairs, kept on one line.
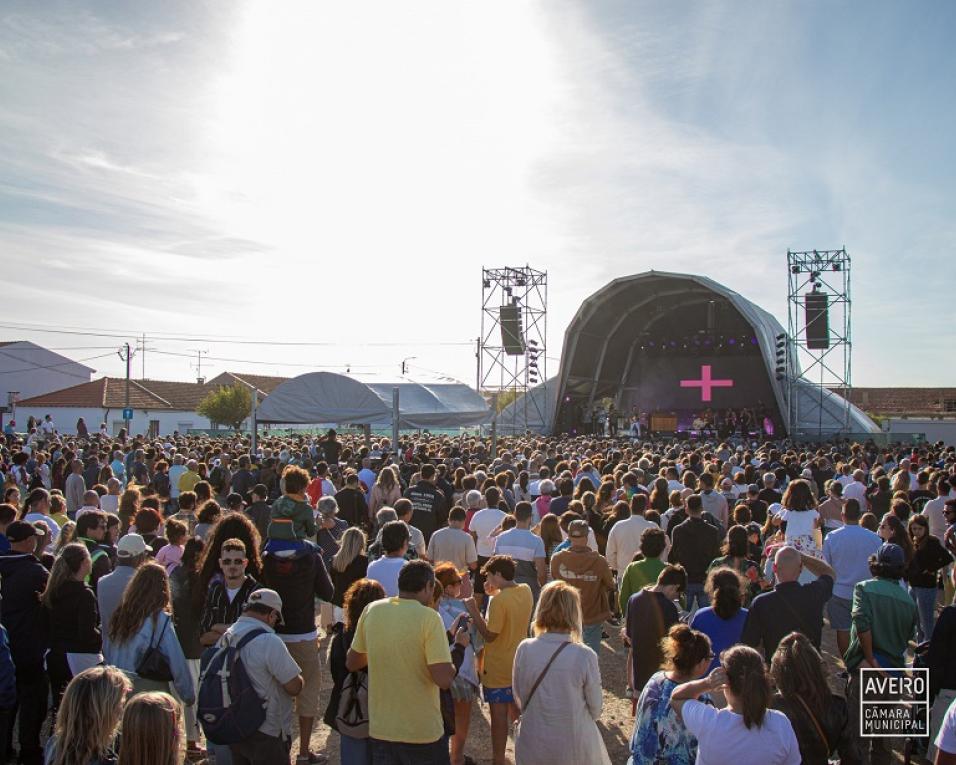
{"points": [[302, 185]]}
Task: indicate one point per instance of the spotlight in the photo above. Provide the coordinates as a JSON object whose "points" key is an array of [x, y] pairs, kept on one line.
{"points": [[836, 266], [732, 341], [520, 282], [486, 284], [794, 269], [753, 341]]}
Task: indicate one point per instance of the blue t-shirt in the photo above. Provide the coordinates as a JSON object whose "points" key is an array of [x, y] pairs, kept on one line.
{"points": [[520, 544], [723, 633]]}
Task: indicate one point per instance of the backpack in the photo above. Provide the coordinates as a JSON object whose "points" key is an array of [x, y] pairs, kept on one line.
{"points": [[228, 707], [351, 718]]}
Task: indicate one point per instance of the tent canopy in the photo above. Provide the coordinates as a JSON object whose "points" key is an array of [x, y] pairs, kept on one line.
{"points": [[330, 397]]}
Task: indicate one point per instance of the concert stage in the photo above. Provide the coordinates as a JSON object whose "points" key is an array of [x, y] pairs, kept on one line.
{"points": [[678, 344]]}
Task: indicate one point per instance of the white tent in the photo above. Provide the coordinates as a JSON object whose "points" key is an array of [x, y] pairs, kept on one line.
{"points": [[329, 397]]}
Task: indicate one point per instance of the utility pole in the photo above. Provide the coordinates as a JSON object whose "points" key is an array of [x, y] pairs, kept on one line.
{"points": [[405, 363], [199, 353], [126, 354], [144, 357]]}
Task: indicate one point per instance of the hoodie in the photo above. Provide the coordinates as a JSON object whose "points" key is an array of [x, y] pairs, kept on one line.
{"points": [[299, 512], [23, 580]]}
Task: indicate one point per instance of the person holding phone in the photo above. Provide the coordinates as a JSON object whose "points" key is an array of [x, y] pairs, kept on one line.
{"points": [[464, 688]]}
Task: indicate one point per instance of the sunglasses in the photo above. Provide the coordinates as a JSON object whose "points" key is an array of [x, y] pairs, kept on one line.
{"points": [[232, 561]]}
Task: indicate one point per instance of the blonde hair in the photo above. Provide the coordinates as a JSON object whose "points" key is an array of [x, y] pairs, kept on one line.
{"points": [[88, 715], [150, 730], [558, 610], [351, 546], [66, 536]]}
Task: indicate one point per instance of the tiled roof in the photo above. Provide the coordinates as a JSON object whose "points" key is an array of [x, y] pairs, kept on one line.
{"points": [[909, 401], [110, 393], [265, 383]]}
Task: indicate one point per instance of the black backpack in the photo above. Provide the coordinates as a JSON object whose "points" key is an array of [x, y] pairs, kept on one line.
{"points": [[228, 707]]}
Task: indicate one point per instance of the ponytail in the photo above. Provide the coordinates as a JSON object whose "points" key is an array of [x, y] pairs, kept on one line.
{"points": [[747, 677]]}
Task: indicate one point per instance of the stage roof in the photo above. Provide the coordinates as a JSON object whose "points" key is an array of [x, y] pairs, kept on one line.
{"points": [[600, 342], [330, 397]]}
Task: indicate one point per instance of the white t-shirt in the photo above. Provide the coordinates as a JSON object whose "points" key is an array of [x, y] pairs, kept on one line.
{"points": [[270, 666], [482, 524], [385, 572], [723, 739], [946, 740], [855, 490]]}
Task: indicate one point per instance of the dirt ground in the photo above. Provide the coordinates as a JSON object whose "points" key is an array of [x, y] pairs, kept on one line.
{"points": [[616, 723]]}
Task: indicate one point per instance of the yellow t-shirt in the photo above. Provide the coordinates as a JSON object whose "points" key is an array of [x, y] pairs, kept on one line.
{"points": [[188, 481], [509, 613], [401, 637]]}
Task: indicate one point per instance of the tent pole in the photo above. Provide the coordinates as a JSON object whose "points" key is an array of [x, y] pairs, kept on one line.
{"points": [[395, 418]]}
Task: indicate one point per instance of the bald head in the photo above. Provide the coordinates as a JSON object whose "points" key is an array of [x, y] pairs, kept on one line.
{"points": [[787, 563]]}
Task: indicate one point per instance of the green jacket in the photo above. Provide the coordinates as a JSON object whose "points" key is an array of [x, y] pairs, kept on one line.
{"points": [[885, 610]]}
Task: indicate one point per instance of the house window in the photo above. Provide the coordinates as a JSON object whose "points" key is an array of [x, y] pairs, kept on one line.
{"points": [[153, 428], [118, 425], [949, 405]]}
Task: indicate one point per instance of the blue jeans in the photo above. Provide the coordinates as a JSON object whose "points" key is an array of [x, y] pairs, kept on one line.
{"points": [[355, 751], [399, 753], [925, 598], [696, 592], [592, 636]]}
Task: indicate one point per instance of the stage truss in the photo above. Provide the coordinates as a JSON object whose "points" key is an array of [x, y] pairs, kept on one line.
{"points": [[824, 272], [498, 371]]}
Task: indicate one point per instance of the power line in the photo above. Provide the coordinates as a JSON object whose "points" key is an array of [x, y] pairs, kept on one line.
{"points": [[184, 338], [54, 366]]}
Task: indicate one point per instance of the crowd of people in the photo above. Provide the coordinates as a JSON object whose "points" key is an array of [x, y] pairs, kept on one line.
{"points": [[165, 598]]}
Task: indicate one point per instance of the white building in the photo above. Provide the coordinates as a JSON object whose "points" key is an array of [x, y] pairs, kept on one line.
{"points": [[28, 370], [159, 407]]}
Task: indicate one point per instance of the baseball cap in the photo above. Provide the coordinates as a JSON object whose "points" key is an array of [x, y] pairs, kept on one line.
{"points": [[578, 528], [20, 531], [131, 546], [891, 555], [265, 597]]}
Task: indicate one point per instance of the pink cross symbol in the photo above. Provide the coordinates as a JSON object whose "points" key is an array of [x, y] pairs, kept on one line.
{"points": [[705, 383]]}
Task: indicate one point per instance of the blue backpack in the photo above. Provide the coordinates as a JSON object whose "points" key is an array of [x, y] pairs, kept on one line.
{"points": [[228, 708]]}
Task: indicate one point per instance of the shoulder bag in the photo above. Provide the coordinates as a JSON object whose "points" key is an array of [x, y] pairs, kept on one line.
{"points": [[153, 665], [516, 726]]}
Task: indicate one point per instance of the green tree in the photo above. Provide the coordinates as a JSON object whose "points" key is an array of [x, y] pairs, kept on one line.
{"points": [[227, 406]]}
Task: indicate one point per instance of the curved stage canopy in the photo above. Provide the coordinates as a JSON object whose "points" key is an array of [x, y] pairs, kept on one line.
{"points": [[676, 343], [329, 397]]}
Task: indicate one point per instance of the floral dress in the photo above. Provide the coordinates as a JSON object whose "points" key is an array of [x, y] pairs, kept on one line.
{"points": [[659, 737]]}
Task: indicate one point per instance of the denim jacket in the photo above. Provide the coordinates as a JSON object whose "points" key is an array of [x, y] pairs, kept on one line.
{"points": [[127, 656]]}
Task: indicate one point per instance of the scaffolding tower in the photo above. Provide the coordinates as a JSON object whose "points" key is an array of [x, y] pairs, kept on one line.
{"points": [[818, 296], [512, 348]]}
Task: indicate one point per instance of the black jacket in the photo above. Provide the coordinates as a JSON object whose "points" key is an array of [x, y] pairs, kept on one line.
{"points": [[352, 507], [928, 559], [23, 580], [298, 579], [342, 580], [73, 620], [941, 658], [695, 544], [835, 724]]}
